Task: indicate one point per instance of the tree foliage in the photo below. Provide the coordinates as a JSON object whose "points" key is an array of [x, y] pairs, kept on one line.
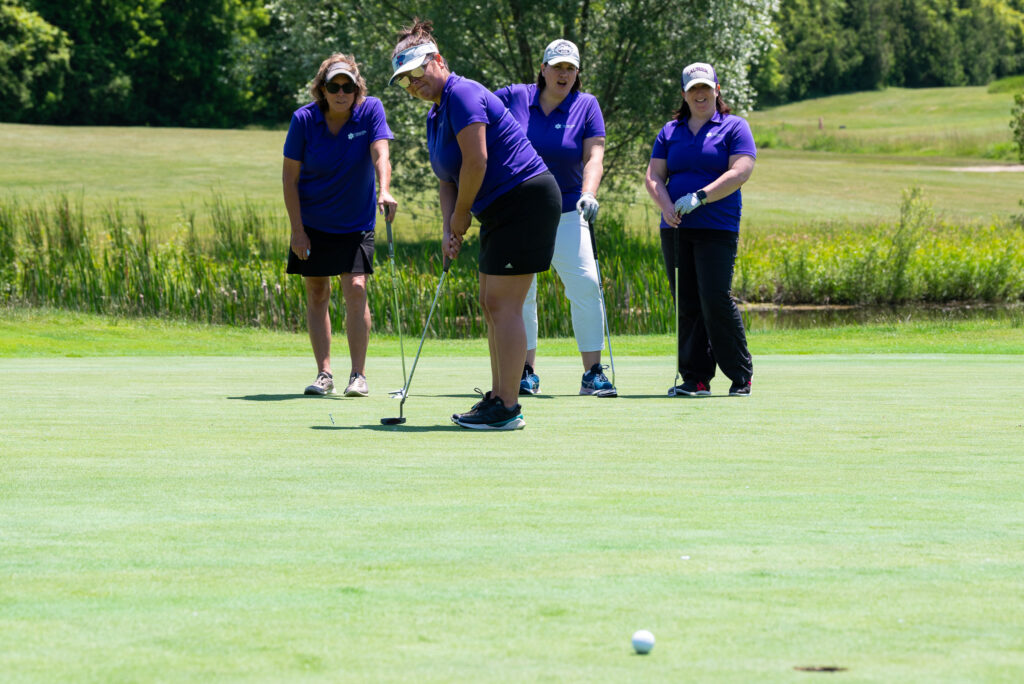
{"points": [[633, 53], [34, 57], [831, 46]]}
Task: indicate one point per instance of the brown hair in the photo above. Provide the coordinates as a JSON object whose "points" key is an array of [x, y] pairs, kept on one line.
{"points": [[421, 31], [684, 109], [316, 87]]}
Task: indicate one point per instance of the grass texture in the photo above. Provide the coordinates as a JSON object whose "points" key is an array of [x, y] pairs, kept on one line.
{"points": [[184, 518]]}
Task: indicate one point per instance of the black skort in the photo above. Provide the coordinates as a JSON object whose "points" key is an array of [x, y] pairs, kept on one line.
{"points": [[332, 254], [517, 230]]}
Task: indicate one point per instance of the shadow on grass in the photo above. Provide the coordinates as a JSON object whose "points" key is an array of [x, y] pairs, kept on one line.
{"points": [[283, 397], [389, 428]]}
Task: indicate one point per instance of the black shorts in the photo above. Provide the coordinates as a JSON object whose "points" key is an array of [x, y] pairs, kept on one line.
{"points": [[332, 254], [517, 230]]}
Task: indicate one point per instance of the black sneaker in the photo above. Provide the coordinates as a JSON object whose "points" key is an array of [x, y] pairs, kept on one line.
{"points": [[740, 389], [491, 415], [690, 388]]}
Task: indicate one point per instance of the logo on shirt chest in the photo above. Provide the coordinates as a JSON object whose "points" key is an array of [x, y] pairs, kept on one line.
{"points": [[356, 134], [561, 126]]}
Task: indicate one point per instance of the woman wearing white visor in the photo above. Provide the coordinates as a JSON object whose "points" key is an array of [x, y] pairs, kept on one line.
{"points": [[566, 127]]}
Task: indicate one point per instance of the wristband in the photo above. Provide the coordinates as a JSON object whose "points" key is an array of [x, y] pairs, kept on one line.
{"points": [[702, 197]]}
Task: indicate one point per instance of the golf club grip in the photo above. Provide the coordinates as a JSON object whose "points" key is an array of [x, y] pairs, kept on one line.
{"points": [[593, 241], [390, 238]]}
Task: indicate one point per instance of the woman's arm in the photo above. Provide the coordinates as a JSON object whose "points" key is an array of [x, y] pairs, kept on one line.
{"points": [[381, 153], [446, 194], [593, 164], [473, 145], [655, 182], [290, 181], [740, 168]]}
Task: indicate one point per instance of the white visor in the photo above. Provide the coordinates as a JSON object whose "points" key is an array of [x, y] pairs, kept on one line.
{"points": [[409, 59]]}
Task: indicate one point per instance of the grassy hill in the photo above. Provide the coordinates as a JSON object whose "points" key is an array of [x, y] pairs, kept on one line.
{"points": [[891, 140]]}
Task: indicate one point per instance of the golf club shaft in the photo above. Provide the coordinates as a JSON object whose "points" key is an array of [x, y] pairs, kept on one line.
{"points": [[604, 306], [426, 327], [675, 234], [394, 299]]}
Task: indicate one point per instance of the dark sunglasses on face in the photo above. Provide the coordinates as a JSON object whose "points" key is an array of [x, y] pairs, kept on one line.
{"points": [[333, 88]]}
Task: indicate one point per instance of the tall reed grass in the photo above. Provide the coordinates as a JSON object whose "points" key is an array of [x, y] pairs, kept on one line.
{"points": [[234, 272]]}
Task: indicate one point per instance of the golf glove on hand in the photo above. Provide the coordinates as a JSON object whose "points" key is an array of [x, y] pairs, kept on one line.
{"points": [[687, 203], [588, 206]]}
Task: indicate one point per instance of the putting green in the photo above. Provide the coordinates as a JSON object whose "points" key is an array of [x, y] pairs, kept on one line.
{"points": [[184, 518]]}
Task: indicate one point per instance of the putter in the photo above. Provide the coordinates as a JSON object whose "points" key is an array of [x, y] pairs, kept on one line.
{"points": [[608, 393], [426, 326], [394, 305], [679, 377]]}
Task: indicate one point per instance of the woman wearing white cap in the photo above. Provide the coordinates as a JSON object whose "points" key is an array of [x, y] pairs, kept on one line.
{"points": [[699, 161], [567, 129], [488, 169], [335, 147]]}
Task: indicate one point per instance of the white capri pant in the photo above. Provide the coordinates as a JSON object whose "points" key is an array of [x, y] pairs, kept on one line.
{"points": [[574, 263]]}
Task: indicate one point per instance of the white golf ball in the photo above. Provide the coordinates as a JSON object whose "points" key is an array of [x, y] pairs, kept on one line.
{"points": [[643, 641]]}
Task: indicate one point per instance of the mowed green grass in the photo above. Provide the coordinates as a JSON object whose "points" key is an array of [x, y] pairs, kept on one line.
{"points": [[169, 172], [184, 517]]}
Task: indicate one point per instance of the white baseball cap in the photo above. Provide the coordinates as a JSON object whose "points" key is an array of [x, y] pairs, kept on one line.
{"points": [[562, 51], [410, 58], [699, 72], [339, 68]]}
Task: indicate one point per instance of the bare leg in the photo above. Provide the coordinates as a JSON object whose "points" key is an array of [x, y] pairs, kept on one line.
{"points": [[490, 335], [318, 320], [502, 298], [590, 358], [357, 319]]}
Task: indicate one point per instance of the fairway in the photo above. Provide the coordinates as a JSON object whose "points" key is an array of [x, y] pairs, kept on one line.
{"points": [[188, 518]]}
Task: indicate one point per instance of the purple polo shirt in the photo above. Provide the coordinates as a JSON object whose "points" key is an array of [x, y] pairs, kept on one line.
{"points": [[337, 183], [558, 137], [696, 160], [511, 158]]}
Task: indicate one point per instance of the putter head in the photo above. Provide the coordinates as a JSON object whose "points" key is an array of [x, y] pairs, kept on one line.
{"points": [[392, 421], [607, 393], [397, 394]]}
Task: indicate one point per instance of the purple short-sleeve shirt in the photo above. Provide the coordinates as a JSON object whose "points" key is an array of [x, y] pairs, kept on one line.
{"points": [[695, 160], [337, 184], [511, 158], [558, 137]]}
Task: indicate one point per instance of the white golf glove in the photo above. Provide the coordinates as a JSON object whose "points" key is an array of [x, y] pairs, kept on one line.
{"points": [[588, 206], [687, 203]]}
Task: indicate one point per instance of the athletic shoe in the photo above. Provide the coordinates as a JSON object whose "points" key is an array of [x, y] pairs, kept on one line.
{"points": [[740, 389], [492, 415], [357, 386], [594, 381], [324, 384], [530, 384], [484, 396], [690, 388]]}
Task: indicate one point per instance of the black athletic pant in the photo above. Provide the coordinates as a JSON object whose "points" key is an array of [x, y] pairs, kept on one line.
{"points": [[710, 325]]}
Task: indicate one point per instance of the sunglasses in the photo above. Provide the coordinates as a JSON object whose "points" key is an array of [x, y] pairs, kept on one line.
{"points": [[405, 79], [333, 88]]}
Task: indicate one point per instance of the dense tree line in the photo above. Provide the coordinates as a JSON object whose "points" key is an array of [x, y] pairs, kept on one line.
{"points": [[231, 63], [831, 46]]}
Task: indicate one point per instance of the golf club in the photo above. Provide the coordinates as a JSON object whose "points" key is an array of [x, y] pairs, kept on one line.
{"points": [[426, 326], [678, 377], [607, 393], [394, 303]]}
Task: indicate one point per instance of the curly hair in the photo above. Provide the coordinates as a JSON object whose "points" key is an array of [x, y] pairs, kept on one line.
{"points": [[316, 88]]}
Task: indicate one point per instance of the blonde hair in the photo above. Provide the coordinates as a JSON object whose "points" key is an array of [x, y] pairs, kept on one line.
{"points": [[320, 80]]}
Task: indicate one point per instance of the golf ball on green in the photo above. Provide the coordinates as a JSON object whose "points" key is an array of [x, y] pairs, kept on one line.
{"points": [[643, 641]]}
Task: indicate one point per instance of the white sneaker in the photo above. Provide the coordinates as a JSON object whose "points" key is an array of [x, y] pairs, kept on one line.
{"points": [[357, 386], [324, 384]]}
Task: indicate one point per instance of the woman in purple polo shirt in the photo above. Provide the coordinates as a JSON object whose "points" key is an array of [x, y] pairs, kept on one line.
{"points": [[566, 128], [700, 160], [488, 169], [335, 146]]}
